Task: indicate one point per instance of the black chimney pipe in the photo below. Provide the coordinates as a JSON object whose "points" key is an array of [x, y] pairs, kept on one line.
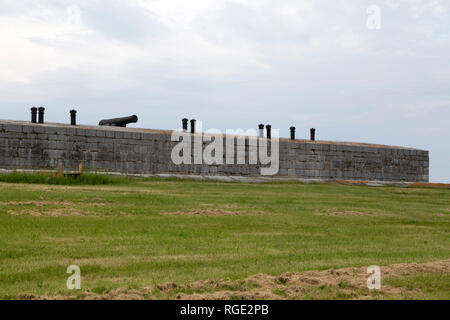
{"points": [[313, 134], [185, 124], [268, 131], [41, 114], [193, 126], [34, 115], [261, 130], [292, 133], [73, 117]]}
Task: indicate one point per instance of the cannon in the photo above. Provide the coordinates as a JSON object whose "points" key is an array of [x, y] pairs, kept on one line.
{"points": [[119, 122]]}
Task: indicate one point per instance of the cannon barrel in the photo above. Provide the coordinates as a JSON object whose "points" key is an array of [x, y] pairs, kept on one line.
{"points": [[119, 122]]}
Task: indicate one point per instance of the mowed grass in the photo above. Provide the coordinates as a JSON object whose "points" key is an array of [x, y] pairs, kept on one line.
{"points": [[126, 238], [67, 179]]}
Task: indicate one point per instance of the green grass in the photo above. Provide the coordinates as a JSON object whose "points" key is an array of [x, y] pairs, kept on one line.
{"points": [[434, 286], [67, 179], [126, 240]]}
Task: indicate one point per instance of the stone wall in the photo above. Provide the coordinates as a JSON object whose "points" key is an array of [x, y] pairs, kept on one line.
{"points": [[140, 151]]}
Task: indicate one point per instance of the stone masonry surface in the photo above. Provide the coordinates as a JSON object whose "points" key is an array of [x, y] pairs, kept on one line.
{"points": [[25, 145]]}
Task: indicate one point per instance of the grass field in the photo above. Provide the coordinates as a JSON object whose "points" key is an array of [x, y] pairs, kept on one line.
{"points": [[155, 238]]}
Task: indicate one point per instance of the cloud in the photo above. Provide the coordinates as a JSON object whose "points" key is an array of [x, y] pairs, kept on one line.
{"points": [[436, 8]]}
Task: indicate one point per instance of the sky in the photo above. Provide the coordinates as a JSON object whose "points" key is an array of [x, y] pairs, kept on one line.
{"points": [[373, 71]]}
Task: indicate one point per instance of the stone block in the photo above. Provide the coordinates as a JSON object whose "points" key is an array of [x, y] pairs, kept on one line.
{"points": [[109, 134], [9, 127], [91, 132], [119, 134], [80, 132], [71, 131], [101, 133]]}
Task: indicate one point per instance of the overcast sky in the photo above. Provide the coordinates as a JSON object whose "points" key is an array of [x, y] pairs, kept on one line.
{"points": [[235, 64]]}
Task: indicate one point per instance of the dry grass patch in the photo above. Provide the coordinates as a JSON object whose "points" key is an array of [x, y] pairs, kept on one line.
{"points": [[345, 283], [60, 212], [210, 209], [212, 212], [337, 212], [48, 208]]}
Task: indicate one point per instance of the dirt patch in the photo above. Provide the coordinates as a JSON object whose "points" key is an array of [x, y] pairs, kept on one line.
{"points": [[52, 213], [26, 296], [224, 206], [210, 209], [36, 203], [47, 208], [117, 294], [345, 283], [49, 203], [212, 212], [348, 281], [337, 212]]}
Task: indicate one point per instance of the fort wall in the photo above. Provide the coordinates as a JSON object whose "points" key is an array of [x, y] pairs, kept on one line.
{"points": [[25, 145]]}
